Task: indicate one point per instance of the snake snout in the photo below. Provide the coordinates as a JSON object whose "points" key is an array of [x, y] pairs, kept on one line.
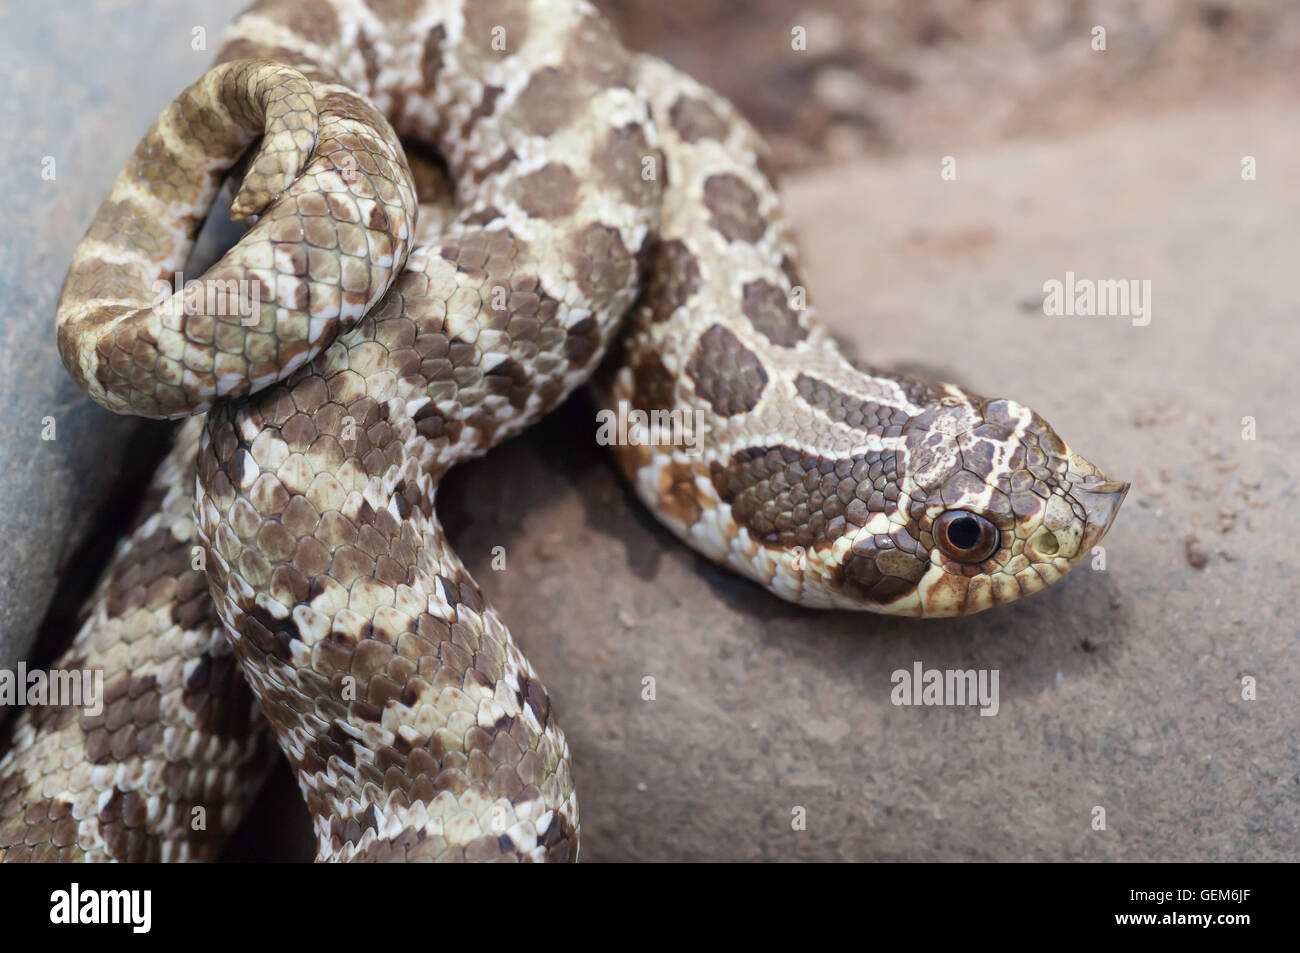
{"points": [[1101, 501]]}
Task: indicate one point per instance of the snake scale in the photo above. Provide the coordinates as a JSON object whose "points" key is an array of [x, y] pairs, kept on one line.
{"points": [[287, 586]]}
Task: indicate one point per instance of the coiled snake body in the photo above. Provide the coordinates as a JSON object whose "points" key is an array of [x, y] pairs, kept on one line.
{"points": [[369, 354]]}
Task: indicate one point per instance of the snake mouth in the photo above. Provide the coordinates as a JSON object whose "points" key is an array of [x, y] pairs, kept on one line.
{"points": [[1100, 501]]}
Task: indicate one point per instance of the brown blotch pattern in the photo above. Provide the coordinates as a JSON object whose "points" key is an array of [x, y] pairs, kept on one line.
{"points": [[548, 102], [654, 387], [791, 272], [486, 105], [850, 410], [619, 164], [125, 225], [369, 56], [694, 119], [482, 251], [548, 193], [916, 391], [727, 375], [431, 58], [769, 311], [246, 49], [41, 831], [129, 724], [596, 48], [313, 20], [498, 165], [733, 208], [396, 12], [602, 264], [786, 496], [678, 496], [879, 569], [221, 700], [675, 278], [482, 18], [122, 822], [139, 568]]}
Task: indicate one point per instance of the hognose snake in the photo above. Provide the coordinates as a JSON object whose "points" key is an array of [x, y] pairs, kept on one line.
{"points": [[376, 353]]}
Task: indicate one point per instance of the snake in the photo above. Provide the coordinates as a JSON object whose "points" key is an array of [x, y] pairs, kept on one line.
{"points": [[287, 589]]}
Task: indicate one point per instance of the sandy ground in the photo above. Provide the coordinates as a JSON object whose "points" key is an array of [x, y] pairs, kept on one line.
{"points": [[1120, 689]]}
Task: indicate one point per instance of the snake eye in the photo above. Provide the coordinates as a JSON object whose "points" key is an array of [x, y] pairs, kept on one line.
{"points": [[965, 537]]}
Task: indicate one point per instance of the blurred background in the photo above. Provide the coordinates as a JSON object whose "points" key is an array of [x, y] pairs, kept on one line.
{"points": [[899, 76]]}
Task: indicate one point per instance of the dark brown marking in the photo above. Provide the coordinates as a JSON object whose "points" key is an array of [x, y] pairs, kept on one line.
{"points": [[370, 57], [219, 696], [122, 821], [678, 496], [727, 375], [266, 633], [484, 22], [484, 216], [431, 57], [550, 192], [45, 828], [676, 276], [916, 391], [602, 265], [786, 496], [128, 702], [621, 162], [694, 119], [395, 12], [485, 106], [533, 694], [559, 839], [498, 165], [878, 570], [733, 207], [582, 342], [846, 408], [597, 52], [48, 718], [313, 20], [791, 271], [483, 251], [548, 102], [95, 278], [769, 310], [654, 388]]}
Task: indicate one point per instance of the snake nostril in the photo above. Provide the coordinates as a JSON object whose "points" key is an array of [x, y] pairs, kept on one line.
{"points": [[1046, 543]]}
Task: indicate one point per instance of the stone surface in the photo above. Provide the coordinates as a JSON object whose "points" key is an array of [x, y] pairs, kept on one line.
{"points": [[83, 81], [1119, 689]]}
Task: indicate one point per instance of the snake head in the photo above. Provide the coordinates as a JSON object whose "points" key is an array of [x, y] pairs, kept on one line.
{"points": [[992, 506]]}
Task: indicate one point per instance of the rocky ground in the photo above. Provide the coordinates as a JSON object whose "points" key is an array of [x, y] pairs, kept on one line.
{"points": [[1120, 689]]}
